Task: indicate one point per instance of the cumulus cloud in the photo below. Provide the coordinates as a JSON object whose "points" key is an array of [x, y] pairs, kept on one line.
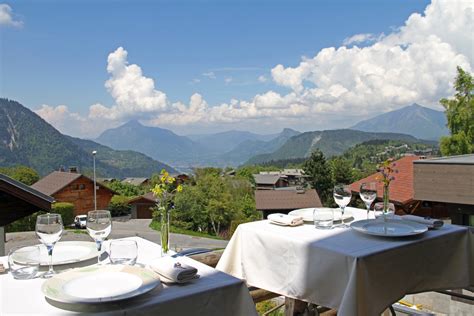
{"points": [[360, 38], [262, 78], [6, 16], [415, 63]]}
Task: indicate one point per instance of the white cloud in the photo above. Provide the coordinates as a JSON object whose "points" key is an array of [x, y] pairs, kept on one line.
{"points": [[360, 38], [196, 80], [415, 63], [210, 75], [262, 78], [228, 80], [6, 16]]}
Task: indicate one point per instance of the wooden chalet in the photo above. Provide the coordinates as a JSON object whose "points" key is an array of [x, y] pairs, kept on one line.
{"points": [[285, 200], [447, 183], [141, 206], [74, 188]]}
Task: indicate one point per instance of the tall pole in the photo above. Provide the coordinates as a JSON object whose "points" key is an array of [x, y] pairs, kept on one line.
{"points": [[95, 183]]}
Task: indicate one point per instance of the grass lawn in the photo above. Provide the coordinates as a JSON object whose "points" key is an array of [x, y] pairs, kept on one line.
{"points": [[156, 226]]}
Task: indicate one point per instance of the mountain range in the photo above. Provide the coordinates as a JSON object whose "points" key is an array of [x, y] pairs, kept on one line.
{"points": [[184, 152], [415, 120], [330, 142], [233, 148], [25, 138]]}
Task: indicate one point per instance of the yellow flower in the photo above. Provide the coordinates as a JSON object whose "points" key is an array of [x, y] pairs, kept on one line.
{"points": [[179, 188], [157, 191], [171, 180]]}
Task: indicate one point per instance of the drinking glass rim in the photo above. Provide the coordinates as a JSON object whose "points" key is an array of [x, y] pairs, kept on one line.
{"points": [[98, 212], [124, 241], [50, 215]]}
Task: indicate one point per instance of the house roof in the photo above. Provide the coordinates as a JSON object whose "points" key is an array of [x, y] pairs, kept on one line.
{"points": [[286, 199], [401, 189], [58, 180], [455, 160], [55, 181], [135, 181], [147, 197], [18, 200], [266, 178]]}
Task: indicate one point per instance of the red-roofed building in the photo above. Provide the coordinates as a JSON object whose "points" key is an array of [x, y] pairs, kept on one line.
{"points": [[401, 189]]}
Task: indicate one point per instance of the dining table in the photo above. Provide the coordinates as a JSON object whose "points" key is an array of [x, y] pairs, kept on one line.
{"points": [[343, 269], [213, 293]]}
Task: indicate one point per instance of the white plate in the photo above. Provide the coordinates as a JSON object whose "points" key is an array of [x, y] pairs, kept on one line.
{"points": [[307, 213], [65, 252], [100, 284], [389, 228]]}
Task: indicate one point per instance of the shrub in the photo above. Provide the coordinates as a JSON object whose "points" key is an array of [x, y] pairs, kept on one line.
{"points": [[24, 224], [66, 210], [119, 206]]}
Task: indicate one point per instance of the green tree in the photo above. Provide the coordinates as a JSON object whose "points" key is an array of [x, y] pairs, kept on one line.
{"points": [[125, 189], [460, 115], [341, 170], [23, 174], [319, 171]]}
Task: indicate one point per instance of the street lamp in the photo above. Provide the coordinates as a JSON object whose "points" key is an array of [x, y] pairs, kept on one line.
{"points": [[95, 185]]}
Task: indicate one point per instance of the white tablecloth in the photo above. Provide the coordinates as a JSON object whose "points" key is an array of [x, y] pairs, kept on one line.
{"points": [[215, 293], [357, 274]]}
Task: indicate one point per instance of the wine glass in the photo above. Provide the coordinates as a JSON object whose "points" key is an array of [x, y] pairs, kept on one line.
{"points": [[368, 194], [49, 229], [342, 196], [99, 226]]}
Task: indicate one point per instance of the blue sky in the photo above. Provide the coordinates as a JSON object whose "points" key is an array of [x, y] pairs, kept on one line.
{"points": [[58, 56]]}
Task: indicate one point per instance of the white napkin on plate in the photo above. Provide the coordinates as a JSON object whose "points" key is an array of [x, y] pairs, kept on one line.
{"points": [[285, 220], [173, 270], [430, 222]]}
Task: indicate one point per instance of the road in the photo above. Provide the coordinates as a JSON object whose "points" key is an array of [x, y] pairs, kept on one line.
{"points": [[121, 228]]}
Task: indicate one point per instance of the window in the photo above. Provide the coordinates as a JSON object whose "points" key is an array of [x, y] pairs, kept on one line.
{"points": [[74, 187], [82, 186]]}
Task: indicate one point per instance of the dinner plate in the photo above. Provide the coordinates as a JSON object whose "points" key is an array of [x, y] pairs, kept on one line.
{"points": [[64, 252], [389, 228], [95, 284], [307, 213]]}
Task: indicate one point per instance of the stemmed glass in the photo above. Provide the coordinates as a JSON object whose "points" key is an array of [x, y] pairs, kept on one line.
{"points": [[342, 196], [49, 229], [368, 194], [99, 226]]}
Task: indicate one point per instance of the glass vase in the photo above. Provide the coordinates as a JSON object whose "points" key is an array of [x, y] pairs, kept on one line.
{"points": [[165, 231], [388, 208]]}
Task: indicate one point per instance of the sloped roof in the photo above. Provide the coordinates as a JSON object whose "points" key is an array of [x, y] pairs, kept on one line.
{"points": [[55, 181], [401, 189], [135, 181], [286, 199], [18, 200], [58, 180], [266, 178], [147, 197]]}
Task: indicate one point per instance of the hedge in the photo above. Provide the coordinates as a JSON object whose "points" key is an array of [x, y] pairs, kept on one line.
{"points": [[66, 210], [119, 206]]}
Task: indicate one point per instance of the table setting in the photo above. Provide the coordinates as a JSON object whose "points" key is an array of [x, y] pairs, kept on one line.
{"points": [[354, 260], [110, 277]]}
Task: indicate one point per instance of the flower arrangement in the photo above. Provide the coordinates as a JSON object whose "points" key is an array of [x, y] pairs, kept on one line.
{"points": [[386, 169], [164, 192]]}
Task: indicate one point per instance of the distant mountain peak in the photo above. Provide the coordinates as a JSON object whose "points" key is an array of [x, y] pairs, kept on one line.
{"points": [[414, 119], [133, 122]]}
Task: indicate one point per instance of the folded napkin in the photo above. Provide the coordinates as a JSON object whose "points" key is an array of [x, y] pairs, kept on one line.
{"points": [[173, 270], [431, 223], [286, 220]]}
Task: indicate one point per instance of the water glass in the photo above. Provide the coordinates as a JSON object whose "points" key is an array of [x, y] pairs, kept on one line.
{"points": [[24, 262], [323, 218], [123, 251], [368, 194]]}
